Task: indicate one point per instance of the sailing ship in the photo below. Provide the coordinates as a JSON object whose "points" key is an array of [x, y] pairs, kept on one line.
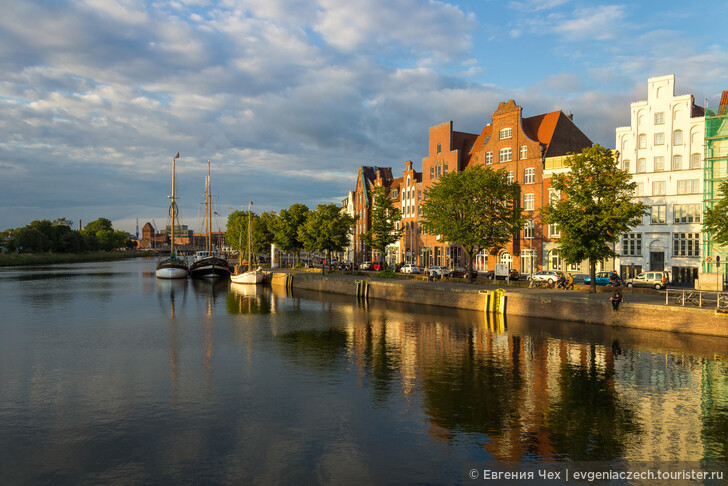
{"points": [[209, 263], [174, 266], [251, 276]]}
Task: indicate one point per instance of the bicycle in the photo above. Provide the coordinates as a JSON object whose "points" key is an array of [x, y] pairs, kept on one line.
{"points": [[541, 284], [687, 298]]}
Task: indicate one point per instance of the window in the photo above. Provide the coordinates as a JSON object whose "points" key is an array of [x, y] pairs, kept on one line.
{"points": [[632, 244], [489, 158], [529, 176], [625, 165], [677, 137], [554, 231], [658, 188], [643, 140], [639, 190], [528, 261], [659, 138], [660, 118], [677, 162], [445, 169], [524, 152], [695, 161], [395, 193], [687, 213], [641, 165], [686, 244], [659, 163], [419, 194], [554, 260], [505, 133], [658, 214], [509, 177], [439, 148], [438, 171], [419, 210], [528, 230], [432, 172], [505, 154], [529, 201], [554, 195], [688, 186]]}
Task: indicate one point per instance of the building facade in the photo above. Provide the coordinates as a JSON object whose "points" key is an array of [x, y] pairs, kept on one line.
{"points": [[663, 150], [715, 172]]}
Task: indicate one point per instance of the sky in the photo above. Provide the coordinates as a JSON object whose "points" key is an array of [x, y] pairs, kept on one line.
{"points": [[288, 98]]}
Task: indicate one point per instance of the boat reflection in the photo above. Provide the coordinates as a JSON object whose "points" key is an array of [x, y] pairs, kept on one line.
{"points": [[248, 299]]}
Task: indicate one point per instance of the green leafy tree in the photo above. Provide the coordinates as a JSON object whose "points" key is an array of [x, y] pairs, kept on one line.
{"points": [[236, 235], [285, 229], [384, 217], [326, 229], [716, 218], [475, 208], [597, 207]]}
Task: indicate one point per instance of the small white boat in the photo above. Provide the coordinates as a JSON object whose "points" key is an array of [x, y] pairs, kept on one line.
{"points": [[252, 277]]}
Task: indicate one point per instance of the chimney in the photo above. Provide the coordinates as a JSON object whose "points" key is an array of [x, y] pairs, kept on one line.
{"points": [[570, 116], [79, 225]]}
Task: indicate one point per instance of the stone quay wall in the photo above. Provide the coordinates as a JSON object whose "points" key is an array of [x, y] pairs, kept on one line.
{"points": [[572, 306]]}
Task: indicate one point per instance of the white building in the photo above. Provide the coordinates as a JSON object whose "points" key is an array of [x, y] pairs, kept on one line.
{"points": [[663, 150], [347, 206]]}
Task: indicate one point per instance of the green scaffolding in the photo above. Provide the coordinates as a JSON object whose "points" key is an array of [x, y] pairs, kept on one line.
{"points": [[716, 171]]}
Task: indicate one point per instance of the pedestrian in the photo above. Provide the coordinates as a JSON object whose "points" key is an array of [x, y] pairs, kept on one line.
{"points": [[562, 282], [616, 298], [569, 282]]}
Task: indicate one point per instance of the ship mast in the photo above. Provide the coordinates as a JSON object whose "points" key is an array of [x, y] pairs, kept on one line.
{"points": [[208, 210], [173, 208]]}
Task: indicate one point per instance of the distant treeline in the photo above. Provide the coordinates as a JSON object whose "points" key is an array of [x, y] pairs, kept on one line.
{"points": [[58, 237]]}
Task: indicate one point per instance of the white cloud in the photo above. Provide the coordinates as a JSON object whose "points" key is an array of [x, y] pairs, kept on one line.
{"points": [[601, 22]]}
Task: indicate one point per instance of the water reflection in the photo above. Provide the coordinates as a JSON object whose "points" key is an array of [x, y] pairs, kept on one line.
{"points": [[200, 381]]}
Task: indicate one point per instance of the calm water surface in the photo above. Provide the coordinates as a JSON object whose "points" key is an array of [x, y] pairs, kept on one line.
{"points": [[109, 376]]}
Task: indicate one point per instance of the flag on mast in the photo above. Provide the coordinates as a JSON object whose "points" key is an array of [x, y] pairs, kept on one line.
{"points": [[177, 156]]}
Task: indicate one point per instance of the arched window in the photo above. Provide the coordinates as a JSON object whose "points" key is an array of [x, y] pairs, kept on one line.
{"points": [[505, 155], [505, 133], [528, 261], [505, 257]]}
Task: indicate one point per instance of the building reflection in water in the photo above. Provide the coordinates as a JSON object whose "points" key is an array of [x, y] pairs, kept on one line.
{"points": [[533, 389]]}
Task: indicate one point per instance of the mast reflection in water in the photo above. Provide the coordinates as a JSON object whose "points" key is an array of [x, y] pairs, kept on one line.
{"points": [[111, 376]]}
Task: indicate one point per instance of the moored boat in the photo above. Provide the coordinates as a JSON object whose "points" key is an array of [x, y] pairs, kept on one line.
{"points": [[249, 277], [208, 263], [174, 266]]}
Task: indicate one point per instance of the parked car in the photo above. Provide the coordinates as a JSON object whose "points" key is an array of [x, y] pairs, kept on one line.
{"points": [[410, 268], [365, 266], [438, 271], [512, 275], [550, 276], [604, 278], [461, 272], [656, 280], [579, 277]]}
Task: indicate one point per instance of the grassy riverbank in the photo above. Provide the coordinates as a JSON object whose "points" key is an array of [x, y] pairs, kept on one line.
{"points": [[22, 259]]}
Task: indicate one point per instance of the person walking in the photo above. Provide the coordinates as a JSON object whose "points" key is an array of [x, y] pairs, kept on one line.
{"points": [[616, 298], [569, 282], [562, 282]]}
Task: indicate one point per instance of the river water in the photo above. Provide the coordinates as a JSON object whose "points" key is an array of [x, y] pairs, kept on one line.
{"points": [[109, 376]]}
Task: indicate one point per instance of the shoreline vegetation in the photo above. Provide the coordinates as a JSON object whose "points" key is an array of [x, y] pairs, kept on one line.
{"points": [[27, 259]]}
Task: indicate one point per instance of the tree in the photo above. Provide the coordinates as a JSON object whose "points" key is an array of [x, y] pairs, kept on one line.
{"points": [[716, 218], [384, 216], [285, 230], [236, 235], [475, 208], [326, 229], [596, 207]]}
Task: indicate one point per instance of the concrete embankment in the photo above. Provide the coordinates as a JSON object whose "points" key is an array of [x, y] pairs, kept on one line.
{"points": [[637, 312]]}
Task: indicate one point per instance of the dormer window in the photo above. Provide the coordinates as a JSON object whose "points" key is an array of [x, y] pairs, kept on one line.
{"points": [[506, 133]]}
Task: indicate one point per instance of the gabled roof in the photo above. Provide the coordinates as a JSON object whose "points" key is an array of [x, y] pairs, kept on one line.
{"points": [[482, 139], [556, 132]]}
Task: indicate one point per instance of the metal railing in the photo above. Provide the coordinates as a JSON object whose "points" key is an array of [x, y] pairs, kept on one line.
{"points": [[697, 298]]}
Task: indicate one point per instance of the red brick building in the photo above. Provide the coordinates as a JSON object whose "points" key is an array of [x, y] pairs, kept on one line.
{"points": [[518, 145]]}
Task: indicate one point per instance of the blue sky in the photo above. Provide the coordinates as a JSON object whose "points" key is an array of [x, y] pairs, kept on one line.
{"points": [[287, 98]]}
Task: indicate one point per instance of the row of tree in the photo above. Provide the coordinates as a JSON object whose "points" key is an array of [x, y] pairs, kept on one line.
{"points": [[477, 209], [58, 237], [293, 230]]}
